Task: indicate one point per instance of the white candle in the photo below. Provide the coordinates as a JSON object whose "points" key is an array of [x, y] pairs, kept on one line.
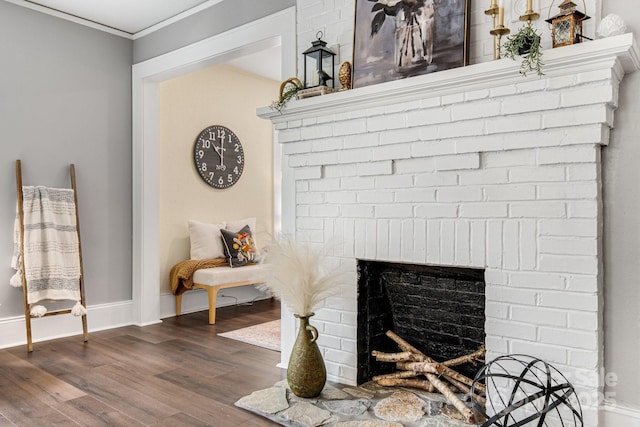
{"points": [[501, 16], [494, 3], [529, 5]]}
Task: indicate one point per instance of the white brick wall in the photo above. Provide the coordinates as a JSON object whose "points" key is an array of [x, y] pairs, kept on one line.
{"points": [[525, 206], [504, 177], [518, 198]]}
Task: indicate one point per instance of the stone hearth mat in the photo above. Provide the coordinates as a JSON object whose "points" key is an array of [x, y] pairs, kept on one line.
{"points": [[368, 405]]}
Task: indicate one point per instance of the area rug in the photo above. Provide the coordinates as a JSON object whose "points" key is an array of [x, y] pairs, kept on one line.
{"points": [[266, 335]]}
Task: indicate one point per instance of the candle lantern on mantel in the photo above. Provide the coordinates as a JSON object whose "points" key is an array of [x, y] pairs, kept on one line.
{"points": [[319, 64], [566, 26]]}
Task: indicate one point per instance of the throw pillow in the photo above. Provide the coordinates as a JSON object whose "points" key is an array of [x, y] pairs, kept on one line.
{"points": [[239, 223], [239, 246], [205, 240]]}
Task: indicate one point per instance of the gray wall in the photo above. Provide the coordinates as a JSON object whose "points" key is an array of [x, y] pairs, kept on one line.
{"points": [[622, 229], [214, 20], [65, 97]]}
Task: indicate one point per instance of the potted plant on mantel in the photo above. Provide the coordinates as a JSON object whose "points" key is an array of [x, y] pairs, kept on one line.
{"points": [[525, 43]]}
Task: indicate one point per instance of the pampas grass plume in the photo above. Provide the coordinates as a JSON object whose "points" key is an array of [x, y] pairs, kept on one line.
{"points": [[299, 277]]}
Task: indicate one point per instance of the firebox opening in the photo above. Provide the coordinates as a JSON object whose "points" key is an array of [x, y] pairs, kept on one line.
{"points": [[438, 309]]}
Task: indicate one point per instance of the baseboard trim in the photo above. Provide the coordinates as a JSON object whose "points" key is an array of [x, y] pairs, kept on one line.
{"points": [[617, 415], [196, 300], [114, 315], [99, 317]]}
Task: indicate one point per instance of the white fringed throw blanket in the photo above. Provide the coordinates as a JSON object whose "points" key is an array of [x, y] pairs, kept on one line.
{"points": [[51, 247]]}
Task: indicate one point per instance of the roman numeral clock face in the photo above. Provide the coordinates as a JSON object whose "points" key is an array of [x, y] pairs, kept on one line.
{"points": [[218, 156]]}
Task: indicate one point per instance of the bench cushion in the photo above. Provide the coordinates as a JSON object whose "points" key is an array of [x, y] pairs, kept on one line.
{"points": [[223, 275]]}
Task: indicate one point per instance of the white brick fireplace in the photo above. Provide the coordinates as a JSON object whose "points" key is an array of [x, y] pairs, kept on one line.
{"points": [[471, 167]]}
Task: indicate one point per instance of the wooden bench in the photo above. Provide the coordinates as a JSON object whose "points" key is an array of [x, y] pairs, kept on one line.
{"points": [[214, 279]]}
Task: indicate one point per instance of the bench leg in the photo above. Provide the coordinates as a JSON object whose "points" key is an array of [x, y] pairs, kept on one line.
{"points": [[178, 304], [212, 292]]}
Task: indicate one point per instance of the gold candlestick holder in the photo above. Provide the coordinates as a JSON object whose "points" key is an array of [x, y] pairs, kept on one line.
{"points": [[493, 11], [529, 16], [497, 33], [498, 30]]}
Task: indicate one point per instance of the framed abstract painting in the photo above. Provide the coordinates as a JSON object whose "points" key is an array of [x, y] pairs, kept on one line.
{"points": [[394, 39]]}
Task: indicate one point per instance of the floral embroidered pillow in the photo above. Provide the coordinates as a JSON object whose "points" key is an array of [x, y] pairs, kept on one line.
{"points": [[239, 247]]}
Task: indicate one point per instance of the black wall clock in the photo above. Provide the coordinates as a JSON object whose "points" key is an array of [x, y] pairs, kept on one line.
{"points": [[218, 156]]}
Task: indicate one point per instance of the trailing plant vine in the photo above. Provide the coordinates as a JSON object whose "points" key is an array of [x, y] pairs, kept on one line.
{"points": [[525, 43], [288, 90]]}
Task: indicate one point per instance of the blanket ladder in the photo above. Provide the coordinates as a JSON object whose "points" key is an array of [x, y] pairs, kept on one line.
{"points": [[27, 308]]}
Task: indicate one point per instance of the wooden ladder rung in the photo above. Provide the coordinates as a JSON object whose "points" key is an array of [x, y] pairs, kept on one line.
{"points": [[54, 313]]}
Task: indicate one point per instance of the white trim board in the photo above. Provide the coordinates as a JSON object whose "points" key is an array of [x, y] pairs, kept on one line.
{"points": [[99, 317], [71, 18], [620, 415], [178, 17], [273, 30], [111, 30], [114, 315], [196, 300]]}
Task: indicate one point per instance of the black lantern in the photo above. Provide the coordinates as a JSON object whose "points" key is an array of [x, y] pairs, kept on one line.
{"points": [[318, 64], [566, 26]]}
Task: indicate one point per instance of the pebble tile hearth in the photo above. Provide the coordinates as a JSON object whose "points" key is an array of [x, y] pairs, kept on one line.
{"points": [[368, 405]]}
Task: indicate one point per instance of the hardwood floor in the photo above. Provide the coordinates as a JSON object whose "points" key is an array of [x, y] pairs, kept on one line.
{"points": [[178, 373]]}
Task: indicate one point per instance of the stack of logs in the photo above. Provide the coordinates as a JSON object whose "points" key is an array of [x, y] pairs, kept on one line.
{"points": [[415, 369]]}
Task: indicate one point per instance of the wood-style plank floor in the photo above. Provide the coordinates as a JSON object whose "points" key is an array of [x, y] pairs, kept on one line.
{"points": [[177, 373]]}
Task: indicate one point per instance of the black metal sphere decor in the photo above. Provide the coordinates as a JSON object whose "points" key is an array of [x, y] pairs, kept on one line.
{"points": [[525, 391]]}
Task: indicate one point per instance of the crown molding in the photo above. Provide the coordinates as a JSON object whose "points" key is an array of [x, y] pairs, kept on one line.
{"points": [[111, 30], [176, 18], [71, 18]]}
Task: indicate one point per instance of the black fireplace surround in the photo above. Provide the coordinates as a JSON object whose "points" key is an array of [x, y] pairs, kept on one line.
{"points": [[438, 309]]}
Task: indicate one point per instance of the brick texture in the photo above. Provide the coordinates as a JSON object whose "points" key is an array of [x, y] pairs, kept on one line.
{"points": [[484, 178]]}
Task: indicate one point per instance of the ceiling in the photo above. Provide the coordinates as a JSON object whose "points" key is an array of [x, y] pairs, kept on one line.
{"points": [[138, 17], [265, 63], [129, 16]]}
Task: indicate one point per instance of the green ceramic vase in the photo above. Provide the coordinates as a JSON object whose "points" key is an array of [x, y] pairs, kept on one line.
{"points": [[306, 373]]}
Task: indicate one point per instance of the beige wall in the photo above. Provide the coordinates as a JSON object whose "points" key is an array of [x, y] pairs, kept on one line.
{"points": [[220, 95]]}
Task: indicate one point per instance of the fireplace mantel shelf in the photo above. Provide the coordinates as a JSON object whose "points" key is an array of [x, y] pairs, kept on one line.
{"points": [[619, 53]]}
